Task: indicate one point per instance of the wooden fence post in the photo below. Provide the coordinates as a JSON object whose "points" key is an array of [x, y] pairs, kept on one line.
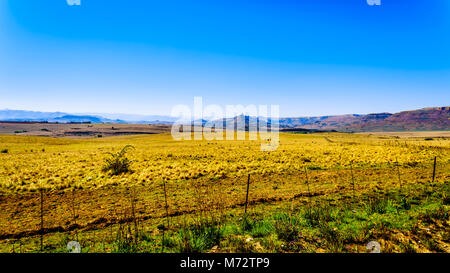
{"points": [[398, 173], [42, 218], [353, 179], [309, 191], [434, 169], [133, 213], [165, 200], [246, 197]]}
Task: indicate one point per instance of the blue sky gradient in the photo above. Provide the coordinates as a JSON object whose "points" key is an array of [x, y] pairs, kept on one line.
{"points": [[312, 57]]}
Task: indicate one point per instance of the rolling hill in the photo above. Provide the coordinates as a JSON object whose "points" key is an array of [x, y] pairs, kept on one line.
{"points": [[436, 118], [433, 118]]}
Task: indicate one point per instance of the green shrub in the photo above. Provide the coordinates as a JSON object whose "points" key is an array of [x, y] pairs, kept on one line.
{"points": [[318, 214], [247, 224], [262, 228], [124, 242], [334, 239], [200, 237], [404, 203], [286, 227], [125, 246], [118, 163], [168, 242], [378, 205]]}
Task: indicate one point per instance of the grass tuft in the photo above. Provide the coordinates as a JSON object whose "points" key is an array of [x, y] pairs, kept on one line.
{"points": [[199, 237]]}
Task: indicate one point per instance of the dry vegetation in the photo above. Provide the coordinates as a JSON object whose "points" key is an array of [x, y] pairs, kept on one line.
{"points": [[359, 188]]}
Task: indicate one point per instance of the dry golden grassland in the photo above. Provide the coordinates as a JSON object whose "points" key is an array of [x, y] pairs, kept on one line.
{"points": [[207, 180]]}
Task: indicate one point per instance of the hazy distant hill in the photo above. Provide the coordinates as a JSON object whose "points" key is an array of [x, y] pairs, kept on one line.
{"points": [[72, 118], [138, 119], [20, 115], [436, 118]]}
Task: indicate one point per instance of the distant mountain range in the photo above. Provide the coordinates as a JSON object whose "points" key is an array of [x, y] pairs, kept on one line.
{"points": [[435, 118], [34, 116]]}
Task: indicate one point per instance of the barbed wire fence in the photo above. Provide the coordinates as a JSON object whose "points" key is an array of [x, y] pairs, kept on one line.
{"points": [[41, 214]]}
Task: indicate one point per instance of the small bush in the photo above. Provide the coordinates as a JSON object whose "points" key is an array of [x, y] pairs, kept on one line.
{"points": [[262, 229], [333, 238], [146, 237], [286, 228], [125, 246], [118, 163], [200, 237], [356, 235], [378, 205], [247, 224], [124, 242], [404, 203], [318, 214], [168, 242]]}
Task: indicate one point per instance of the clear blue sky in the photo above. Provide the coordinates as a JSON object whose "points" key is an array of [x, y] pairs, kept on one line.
{"points": [[312, 57]]}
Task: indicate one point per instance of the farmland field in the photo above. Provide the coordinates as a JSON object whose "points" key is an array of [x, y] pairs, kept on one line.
{"points": [[327, 192]]}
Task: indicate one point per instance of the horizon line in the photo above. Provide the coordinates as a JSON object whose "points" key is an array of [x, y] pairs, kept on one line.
{"points": [[170, 116]]}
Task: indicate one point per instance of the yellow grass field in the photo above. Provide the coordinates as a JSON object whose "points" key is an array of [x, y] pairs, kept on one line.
{"points": [[202, 176], [55, 163]]}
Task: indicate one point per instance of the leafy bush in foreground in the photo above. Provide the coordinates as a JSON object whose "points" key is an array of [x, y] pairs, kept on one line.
{"points": [[118, 163]]}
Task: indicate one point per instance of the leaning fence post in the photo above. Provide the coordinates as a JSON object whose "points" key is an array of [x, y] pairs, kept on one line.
{"points": [[398, 173], [246, 197], [353, 179], [42, 219], [133, 200], [434, 169], [309, 192], [165, 200]]}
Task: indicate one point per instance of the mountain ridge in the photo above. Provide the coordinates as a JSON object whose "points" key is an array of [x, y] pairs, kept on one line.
{"points": [[429, 118]]}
